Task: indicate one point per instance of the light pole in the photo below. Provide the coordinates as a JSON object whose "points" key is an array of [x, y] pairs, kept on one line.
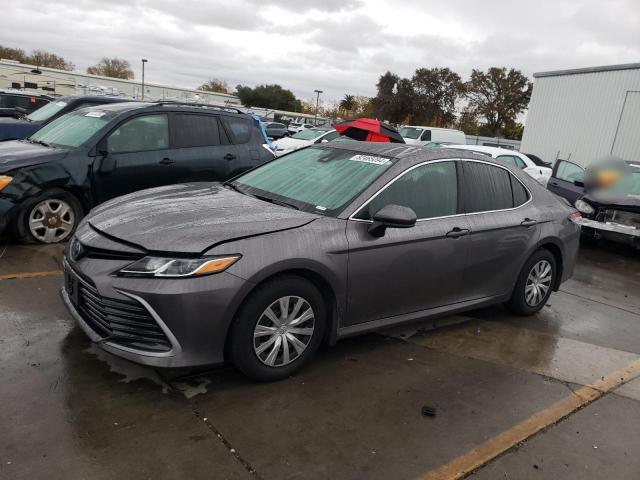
{"points": [[318, 92], [144, 60]]}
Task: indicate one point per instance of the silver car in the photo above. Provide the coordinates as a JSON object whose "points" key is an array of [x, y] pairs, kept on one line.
{"points": [[324, 243]]}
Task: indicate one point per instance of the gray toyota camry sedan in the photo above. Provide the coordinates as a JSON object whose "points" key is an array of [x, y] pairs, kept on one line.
{"points": [[324, 243]]}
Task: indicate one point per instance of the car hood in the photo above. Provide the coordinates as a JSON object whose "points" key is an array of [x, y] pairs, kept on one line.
{"points": [[17, 154], [291, 143], [191, 218], [413, 141], [629, 203]]}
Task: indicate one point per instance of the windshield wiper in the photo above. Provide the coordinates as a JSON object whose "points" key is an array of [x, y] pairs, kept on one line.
{"points": [[233, 187], [39, 142], [276, 202]]}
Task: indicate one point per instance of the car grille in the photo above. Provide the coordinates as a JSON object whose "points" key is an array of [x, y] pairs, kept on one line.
{"points": [[121, 322], [619, 216]]}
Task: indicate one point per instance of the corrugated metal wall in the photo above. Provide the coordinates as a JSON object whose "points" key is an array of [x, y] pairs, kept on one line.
{"points": [[577, 116]]}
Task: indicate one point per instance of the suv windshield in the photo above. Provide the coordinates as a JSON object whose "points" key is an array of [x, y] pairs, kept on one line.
{"points": [[71, 130], [410, 132], [46, 112], [319, 180], [309, 134]]}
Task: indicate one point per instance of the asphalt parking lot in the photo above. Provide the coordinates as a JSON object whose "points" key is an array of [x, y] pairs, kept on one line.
{"points": [[556, 395]]}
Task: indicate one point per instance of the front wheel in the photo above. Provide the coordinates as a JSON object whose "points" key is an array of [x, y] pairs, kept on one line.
{"points": [[49, 218], [534, 285], [278, 330]]}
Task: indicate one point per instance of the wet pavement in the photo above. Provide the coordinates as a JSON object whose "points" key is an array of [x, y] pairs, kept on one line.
{"points": [[70, 410]]}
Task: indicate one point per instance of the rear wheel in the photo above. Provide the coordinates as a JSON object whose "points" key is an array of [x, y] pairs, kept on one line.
{"points": [[278, 330], [48, 218], [534, 284]]}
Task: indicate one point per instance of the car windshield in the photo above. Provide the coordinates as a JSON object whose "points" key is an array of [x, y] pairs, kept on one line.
{"points": [[45, 113], [319, 180], [410, 132], [628, 184], [71, 130], [309, 134]]}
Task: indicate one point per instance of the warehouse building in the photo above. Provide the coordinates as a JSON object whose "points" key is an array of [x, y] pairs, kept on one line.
{"points": [[55, 82], [585, 114]]}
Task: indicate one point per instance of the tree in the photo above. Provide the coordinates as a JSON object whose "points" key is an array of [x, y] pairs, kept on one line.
{"points": [[498, 96], [468, 122], [215, 85], [42, 58], [9, 53], [347, 103], [385, 101], [112, 67], [435, 93], [268, 96]]}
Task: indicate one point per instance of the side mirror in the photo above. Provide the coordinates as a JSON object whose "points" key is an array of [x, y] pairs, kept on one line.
{"points": [[392, 216], [107, 162]]}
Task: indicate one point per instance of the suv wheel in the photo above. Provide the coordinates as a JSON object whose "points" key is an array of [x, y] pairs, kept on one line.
{"points": [[49, 218], [534, 284], [278, 330]]}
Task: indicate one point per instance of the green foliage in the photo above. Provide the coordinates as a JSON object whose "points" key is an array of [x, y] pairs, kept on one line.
{"points": [[39, 58], [112, 67], [435, 93], [348, 102], [268, 96]]}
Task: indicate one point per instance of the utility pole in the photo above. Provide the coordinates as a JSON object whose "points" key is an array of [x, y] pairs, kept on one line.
{"points": [[144, 60], [318, 92]]}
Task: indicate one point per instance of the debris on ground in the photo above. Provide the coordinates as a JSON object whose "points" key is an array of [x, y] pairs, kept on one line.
{"points": [[428, 411]]}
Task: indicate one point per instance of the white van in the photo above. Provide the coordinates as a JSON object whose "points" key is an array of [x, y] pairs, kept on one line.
{"points": [[415, 135]]}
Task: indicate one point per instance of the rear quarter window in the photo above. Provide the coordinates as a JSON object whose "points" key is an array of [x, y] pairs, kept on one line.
{"points": [[488, 187], [239, 128]]}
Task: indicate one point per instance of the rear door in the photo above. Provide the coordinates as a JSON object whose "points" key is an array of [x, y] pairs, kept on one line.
{"points": [[565, 173], [138, 151], [409, 269], [504, 228], [198, 153], [245, 149]]}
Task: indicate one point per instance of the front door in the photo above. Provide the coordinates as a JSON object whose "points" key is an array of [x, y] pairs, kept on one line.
{"points": [[563, 178], [504, 226], [134, 156], [413, 269]]}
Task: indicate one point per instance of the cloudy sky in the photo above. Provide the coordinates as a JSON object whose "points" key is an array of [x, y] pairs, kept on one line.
{"points": [[339, 46]]}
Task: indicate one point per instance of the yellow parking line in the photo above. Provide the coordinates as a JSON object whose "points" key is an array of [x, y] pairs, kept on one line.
{"points": [[483, 454], [21, 275]]}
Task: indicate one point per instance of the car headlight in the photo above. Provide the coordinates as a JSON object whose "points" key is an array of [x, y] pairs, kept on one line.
{"points": [[4, 181], [584, 207], [177, 267]]}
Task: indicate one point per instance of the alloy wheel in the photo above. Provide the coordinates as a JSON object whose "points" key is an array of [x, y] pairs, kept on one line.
{"points": [[538, 283], [283, 331], [51, 220]]}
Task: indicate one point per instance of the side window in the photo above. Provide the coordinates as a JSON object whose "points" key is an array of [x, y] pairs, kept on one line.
{"points": [[426, 136], [486, 187], [431, 190], [331, 136], [520, 194], [140, 134], [569, 172], [195, 130], [513, 160], [240, 128]]}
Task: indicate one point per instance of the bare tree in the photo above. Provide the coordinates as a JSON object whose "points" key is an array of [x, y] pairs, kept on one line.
{"points": [[112, 67], [215, 85]]}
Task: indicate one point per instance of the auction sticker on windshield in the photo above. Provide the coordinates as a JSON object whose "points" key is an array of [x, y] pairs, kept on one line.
{"points": [[370, 159], [95, 114]]}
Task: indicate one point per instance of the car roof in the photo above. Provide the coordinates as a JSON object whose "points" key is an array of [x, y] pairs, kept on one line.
{"points": [[20, 93], [119, 107], [484, 148], [431, 128], [94, 98]]}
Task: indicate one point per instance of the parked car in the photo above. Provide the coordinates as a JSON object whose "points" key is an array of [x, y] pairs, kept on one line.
{"points": [[612, 213], [415, 135], [19, 128], [304, 138], [517, 159], [295, 127], [276, 130], [50, 180], [324, 243], [14, 103]]}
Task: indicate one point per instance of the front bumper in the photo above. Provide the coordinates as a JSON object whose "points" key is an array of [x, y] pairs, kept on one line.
{"points": [[611, 230], [194, 314]]}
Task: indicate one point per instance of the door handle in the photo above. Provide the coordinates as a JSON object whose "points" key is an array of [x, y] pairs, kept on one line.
{"points": [[229, 156], [555, 184], [458, 232], [166, 161], [527, 222]]}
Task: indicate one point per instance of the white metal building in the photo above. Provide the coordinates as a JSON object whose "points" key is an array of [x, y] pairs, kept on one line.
{"points": [[583, 114], [61, 82]]}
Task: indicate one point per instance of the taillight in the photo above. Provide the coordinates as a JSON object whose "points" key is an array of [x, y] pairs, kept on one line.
{"points": [[575, 216]]}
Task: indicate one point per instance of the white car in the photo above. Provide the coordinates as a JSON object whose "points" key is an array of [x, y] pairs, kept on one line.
{"points": [[304, 138], [417, 135], [520, 160], [295, 127]]}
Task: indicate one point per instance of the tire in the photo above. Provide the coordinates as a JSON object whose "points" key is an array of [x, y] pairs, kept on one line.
{"points": [[254, 355], [529, 294], [56, 210]]}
